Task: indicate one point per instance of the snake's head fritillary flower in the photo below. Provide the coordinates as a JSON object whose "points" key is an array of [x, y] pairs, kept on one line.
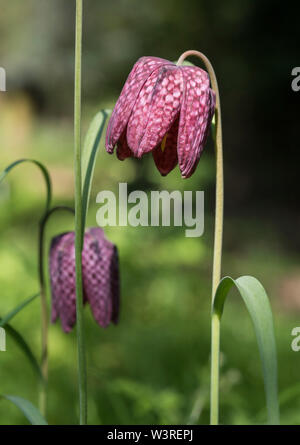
{"points": [[166, 109], [100, 274]]}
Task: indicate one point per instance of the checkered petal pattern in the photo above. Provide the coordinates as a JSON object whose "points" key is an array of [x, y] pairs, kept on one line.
{"points": [[100, 270], [123, 151], [143, 68], [163, 102], [100, 276], [155, 110], [195, 118], [165, 154], [62, 277]]}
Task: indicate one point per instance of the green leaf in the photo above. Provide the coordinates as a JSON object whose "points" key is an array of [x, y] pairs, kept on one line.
{"points": [[43, 170], [17, 309], [17, 337], [257, 303], [89, 153], [28, 409]]}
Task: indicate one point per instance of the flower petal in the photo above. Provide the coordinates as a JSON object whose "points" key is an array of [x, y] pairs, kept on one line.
{"points": [[123, 108], [152, 112], [123, 151], [62, 276], [212, 107], [100, 277], [115, 286], [195, 118], [165, 154], [139, 117], [165, 105]]}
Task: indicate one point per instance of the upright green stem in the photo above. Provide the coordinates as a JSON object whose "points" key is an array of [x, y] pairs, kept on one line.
{"points": [[215, 325], [78, 217], [44, 322], [44, 309]]}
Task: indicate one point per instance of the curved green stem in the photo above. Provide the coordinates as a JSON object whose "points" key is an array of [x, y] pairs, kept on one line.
{"points": [[44, 321], [215, 325], [78, 216], [43, 170], [44, 309]]}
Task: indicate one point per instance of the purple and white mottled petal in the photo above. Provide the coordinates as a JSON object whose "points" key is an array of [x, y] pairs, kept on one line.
{"points": [[166, 159], [194, 118], [164, 108], [62, 277], [123, 108], [100, 269], [115, 286], [100, 279], [140, 114], [123, 151], [212, 107]]}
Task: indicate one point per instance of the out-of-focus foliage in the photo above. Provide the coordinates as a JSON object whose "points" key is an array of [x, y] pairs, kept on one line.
{"points": [[154, 366], [253, 45]]}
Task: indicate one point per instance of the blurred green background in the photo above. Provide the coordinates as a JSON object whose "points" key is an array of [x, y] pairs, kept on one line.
{"points": [[153, 368]]}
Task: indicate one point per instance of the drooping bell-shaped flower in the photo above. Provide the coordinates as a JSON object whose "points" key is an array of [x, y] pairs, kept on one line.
{"points": [[166, 109], [100, 274]]}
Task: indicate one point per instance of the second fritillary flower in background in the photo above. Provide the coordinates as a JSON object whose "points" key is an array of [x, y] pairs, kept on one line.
{"points": [[166, 109], [100, 273]]}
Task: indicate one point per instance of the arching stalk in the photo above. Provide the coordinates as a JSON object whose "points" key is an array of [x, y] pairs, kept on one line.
{"points": [[215, 324]]}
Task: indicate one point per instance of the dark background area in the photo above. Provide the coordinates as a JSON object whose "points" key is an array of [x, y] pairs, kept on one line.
{"points": [[252, 44]]}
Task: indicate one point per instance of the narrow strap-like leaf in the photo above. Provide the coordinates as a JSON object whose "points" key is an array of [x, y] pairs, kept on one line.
{"points": [[17, 309], [28, 409], [20, 341], [43, 170], [18, 337], [89, 153], [257, 303]]}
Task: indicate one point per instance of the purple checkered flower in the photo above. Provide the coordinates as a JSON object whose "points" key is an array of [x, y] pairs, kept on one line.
{"points": [[166, 109], [100, 274]]}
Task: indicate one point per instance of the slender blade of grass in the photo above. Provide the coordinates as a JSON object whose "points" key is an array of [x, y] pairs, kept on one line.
{"points": [[31, 413], [23, 345], [258, 305], [17, 309], [89, 154]]}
